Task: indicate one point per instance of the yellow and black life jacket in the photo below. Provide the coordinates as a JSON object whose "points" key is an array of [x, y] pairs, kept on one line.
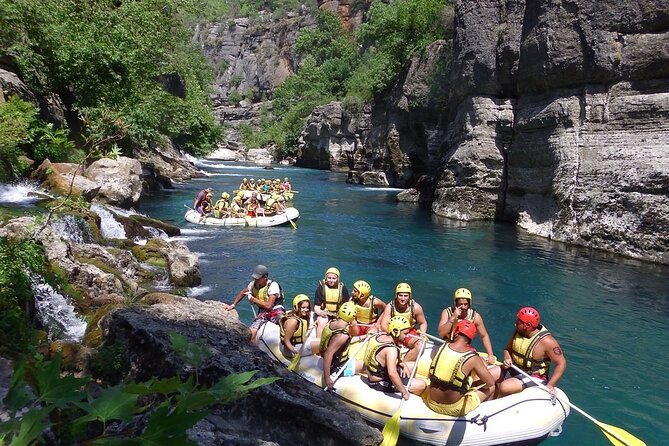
{"points": [[408, 314], [332, 297], [374, 346], [366, 314], [521, 353], [341, 355], [300, 333], [261, 293], [446, 369]]}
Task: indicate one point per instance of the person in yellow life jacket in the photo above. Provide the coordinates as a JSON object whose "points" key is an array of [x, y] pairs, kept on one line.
{"points": [[368, 308], [236, 208], [384, 367], [244, 185], [459, 378], [264, 293], [335, 342], [203, 201], [330, 294], [294, 328], [405, 305], [222, 207], [462, 310], [532, 348], [271, 206], [252, 184]]}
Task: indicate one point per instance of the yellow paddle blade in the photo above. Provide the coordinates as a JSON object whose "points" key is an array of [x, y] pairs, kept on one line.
{"points": [[391, 431], [294, 362], [292, 223], [618, 436]]}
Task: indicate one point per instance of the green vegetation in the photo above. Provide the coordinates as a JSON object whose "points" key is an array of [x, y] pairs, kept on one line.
{"points": [[16, 258], [337, 65], [112, 63], [80, 413]]}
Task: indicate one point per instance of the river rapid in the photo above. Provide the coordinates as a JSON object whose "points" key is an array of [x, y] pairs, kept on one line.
{"points": [[610, 314]]}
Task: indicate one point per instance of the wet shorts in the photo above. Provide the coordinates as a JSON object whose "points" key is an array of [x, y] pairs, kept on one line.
{"points": [[524, 380], [460, 408]]}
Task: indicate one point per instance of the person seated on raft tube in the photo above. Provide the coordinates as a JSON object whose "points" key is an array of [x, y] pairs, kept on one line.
{"points": [[404, 305], [453, 388], [272, 206], [294, 329], [462, 310], [330, 294], [335, 343], [200, 198], [236, 208], [222, 206], [266, 295], [252, 205], [531, 348], [286, 186], [382, 361], [368, 308], [244, 185]]}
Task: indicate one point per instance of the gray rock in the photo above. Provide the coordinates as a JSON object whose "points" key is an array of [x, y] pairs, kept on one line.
{"points": [[408, 195], [290, 411], [120, 180]]}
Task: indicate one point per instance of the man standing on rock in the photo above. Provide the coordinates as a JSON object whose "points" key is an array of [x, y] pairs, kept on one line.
{"points": [[266, 294]]}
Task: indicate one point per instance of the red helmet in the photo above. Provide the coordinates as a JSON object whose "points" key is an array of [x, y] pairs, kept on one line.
{"points": [[530, 316], [466, 328]]}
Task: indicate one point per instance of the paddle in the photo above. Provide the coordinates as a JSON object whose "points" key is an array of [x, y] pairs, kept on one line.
{"points": [[351, 358], [391, 431], [292, 223], [616, 435], [298, 356]]}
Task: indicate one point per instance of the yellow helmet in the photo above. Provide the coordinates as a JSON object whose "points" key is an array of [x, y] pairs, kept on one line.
{"points": [[252, 180], [462, 293], [333, 270], [285, 179], [299, 299], [396, 324], [363, 288], [403, 288], [225, 195], [347, 311], [240, 194], [244, 180]]}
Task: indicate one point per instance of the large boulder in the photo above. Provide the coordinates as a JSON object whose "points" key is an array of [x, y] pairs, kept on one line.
{"points": [[120, 181], [290, 411]]}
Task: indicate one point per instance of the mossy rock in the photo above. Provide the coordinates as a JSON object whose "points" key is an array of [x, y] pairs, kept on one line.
{"points": [[170, 230], [93, 335]]}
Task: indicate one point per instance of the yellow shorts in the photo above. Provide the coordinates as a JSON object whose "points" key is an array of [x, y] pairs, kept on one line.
{"points": [[462, 407]]}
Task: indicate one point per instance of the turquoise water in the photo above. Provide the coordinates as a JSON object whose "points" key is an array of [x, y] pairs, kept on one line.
{"points": [[609, 314]]}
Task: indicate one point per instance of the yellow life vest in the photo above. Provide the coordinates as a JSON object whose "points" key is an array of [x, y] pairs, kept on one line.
{"points": [[331, 297], [446, 369], [374, 346], [366, 314], [522, 349], [340, 356], [300, 333], [407, 314], [470, 316]]}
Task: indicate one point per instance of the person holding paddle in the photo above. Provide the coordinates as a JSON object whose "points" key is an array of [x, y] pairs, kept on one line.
{"points": [[462, 310], [382, 361], [531, 348], [266, 294], [405, 305], [335, 343], [294, 329], [453, 390]]}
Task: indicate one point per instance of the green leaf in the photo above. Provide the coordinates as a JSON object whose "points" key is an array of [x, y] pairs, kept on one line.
{"points": [[57, 390], [163, 386], [112, 404], [167, 428], [19, 394], [33, 423]]}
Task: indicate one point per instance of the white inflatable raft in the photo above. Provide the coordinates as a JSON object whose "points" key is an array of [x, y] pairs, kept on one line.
{"points": [[290, 214], [527, 417]]}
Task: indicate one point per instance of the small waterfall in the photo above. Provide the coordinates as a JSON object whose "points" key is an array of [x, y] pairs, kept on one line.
{"points": [[72, 228], [56, 313], [24, 193], [109, 227]]}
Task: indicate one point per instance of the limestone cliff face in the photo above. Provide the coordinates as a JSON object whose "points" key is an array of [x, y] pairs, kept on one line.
{"points": [[560, 122]]}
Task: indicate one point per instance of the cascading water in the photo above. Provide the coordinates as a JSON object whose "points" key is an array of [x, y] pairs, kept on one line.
{"points": [[21, 194], [109, 227], [73, 228], [56, 312]]}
